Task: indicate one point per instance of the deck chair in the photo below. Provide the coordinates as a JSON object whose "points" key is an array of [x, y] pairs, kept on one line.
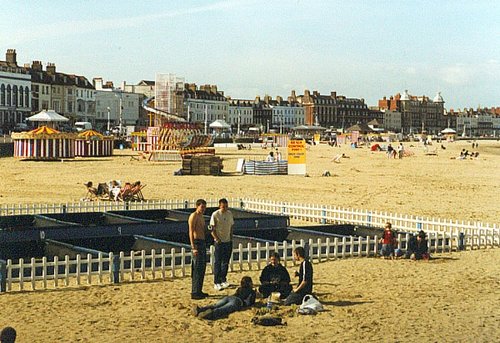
{"points": [[135, 193], [102, 191], [91, 192]]}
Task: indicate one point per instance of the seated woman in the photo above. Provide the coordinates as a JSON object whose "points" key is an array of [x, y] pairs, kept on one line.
{"points": [[275, 278], [418, 247], [244, 297]]}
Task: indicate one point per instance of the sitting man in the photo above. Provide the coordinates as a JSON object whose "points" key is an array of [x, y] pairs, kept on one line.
{"points": [[275, 278], [418, 247], [305, 275]]}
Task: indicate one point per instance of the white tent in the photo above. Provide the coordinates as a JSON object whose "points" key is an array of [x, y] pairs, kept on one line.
{"points": [[220, 124], [47, 116], [449, 131]]}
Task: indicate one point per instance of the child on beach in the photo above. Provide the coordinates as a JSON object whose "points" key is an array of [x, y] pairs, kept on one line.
{"points": [[388, 239]]}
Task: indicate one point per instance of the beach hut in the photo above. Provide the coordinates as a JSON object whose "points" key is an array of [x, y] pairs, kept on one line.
{"points": [[91, 143], [44, 143]]}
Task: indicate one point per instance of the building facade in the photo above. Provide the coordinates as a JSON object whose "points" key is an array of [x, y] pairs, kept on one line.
{"points": [[418, 113], [481, 122], [70, 95], [15, 92], [332, 110], [114, 106], [204, 104], [240, 114]]}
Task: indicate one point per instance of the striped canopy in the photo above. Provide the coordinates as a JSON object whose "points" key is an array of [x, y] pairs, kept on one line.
{"points": [[43, 130]]}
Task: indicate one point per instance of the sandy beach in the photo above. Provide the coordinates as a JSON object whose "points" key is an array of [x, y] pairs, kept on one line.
{"points": [[453, 298]]}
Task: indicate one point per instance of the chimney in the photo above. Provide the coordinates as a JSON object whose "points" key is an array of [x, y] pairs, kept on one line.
{"points": [[293, 96], [333, 94], [307, 93], [51, 68], [279, 99], [315, 93], [10, 56], [124, 83], [36, 65], [213, 89], [257, 99], [97, 81]]}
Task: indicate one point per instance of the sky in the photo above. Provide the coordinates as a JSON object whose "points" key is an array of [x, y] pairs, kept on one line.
{"points": [[361, 49]]}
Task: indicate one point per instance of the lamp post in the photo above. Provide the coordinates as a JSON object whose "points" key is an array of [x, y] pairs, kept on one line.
{"points": [[206, 119], [108, 126], [239, 121]]}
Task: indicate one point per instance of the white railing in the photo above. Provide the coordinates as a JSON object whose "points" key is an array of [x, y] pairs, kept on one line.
{"points": [[339, 215], [140, 265], [444, 235]]}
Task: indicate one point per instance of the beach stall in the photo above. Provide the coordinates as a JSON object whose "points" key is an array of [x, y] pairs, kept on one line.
{"points": [[44, 143], [449, 134], [91, 143]]}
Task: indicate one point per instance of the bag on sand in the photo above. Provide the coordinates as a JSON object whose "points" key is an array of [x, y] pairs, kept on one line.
{"points": [[310, 305], [268, 320]]}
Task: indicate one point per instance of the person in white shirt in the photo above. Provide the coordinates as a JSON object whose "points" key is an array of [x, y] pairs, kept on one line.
{"points": [[222, 223], [270, 157]]}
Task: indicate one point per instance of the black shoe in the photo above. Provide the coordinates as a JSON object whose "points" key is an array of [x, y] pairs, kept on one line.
{"points": [[205, 294], [198, 296]]}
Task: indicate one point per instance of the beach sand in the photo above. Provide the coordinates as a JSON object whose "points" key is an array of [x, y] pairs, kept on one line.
{"points": [[453, 298]]}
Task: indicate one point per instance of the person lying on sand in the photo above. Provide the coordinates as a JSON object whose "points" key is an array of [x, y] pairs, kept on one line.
{"points": [[244, 297]]}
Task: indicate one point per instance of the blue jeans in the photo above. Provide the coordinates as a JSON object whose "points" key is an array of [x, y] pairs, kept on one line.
{"points": [[222, 256], [198, 265], [223, 307]]}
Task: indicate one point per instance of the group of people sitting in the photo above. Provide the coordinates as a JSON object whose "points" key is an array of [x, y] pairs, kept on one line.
{"points": [[464, 154], [274, 279], [113, 190], [417, 247]]}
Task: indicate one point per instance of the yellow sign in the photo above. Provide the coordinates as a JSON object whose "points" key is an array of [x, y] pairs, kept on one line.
{"points": [[317, 137], [297, 151]]}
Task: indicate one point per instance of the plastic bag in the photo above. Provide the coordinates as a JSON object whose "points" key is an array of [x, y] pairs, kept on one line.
{"points": [[310, 305]]}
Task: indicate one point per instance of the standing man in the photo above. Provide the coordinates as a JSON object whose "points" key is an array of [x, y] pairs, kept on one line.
{"points": [[222, 223], [196, 224], [305, 275]]}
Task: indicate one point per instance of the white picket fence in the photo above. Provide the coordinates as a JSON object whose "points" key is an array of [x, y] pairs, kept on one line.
{"points": [[142, 265], [444, 236]]}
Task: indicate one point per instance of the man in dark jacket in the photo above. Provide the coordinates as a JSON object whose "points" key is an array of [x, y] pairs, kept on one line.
{"points": [[275, 278]]}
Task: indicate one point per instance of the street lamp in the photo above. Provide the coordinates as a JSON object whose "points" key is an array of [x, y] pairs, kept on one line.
{"points": [[109, 110], [206, 119], [239, 121]]}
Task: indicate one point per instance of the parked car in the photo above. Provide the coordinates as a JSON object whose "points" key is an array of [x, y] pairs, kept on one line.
{"points": [[20, 127]]}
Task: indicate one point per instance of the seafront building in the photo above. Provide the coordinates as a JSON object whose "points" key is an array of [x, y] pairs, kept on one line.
{"points": [[476, 122], [204, 104], [15, 92], [240, 114], [70, 95], [332, 110], [115, 106], [418, 113]]}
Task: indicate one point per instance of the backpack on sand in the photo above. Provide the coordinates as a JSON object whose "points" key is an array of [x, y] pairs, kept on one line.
{"points": [[268, 320]]}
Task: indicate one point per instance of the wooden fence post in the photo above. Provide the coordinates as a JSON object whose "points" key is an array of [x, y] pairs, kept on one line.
{"points": [[3, 276], [115, 269]]}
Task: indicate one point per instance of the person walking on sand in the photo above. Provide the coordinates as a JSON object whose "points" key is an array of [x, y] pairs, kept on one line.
{"points": [[196, 224], [388, 239], [221, 224]]}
